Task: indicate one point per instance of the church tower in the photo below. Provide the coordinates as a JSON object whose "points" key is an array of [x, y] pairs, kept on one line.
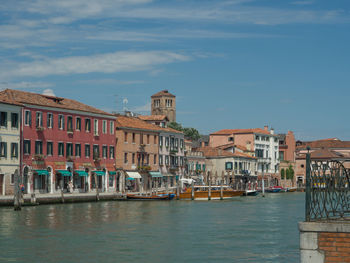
{"points": [[164, 103]]}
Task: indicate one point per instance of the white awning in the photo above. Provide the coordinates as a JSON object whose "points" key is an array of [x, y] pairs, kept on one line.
{"points": [[134, 175]]}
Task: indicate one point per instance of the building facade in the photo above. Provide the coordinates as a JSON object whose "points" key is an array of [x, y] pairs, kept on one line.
{"points": [[164, 103], [10, 124], [67, 145]]}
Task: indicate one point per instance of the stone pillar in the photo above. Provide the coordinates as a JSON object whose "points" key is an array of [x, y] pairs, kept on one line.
{"points": [[324, 242]]}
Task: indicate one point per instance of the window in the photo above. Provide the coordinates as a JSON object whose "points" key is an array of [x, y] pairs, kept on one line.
{"points": [[166, 160], [257, 138], [27, 118], [155, 159], [12, 180], [60, 149], [104, 151], [160, 141], [228, 166], [111, 127], [147, 159], [49, 146], [133, 137], [39, 119], [141, 138], [181, 143], [77, 150], [70, 123], [49, 120], [166, 141], [3, 119], [156, 103], [125, 157], [147, 138], [61, 122], [176, 143], [133, 158], [26, 147], [104, 126], [155, 139], [281, 156], [14, 120], [69, 149], [78, 123], [181, 161], [111, 152], [125, 137], [3, 149], [87, 150], [160, 159], [14, 150], [259, 153], [96, 151], [87, 125], [96, 127], [38, 147]]}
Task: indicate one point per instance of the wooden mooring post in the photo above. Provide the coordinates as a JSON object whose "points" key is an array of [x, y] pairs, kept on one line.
{"points": [[178, 191], [222, 190], [96, 186], [209, 186], [192, 190], [18, 192]]}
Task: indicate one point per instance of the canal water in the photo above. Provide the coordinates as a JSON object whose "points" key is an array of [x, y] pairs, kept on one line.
{"points": [[246, 229]]}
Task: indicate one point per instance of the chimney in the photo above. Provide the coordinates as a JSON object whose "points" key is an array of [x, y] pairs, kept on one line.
{"points": [[266, 128], [202, 143], [272, 131]]}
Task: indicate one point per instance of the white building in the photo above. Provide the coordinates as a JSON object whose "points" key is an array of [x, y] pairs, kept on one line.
{"points": [[10, 123]]}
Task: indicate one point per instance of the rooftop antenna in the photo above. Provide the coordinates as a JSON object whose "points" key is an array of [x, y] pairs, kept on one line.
{"points": [[125, 102]]}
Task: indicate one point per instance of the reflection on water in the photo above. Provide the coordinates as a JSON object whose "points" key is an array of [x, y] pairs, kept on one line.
{"points": [[248, 229]]}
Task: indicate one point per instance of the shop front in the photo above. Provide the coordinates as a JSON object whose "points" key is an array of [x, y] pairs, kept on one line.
{"points": [[41, 181], [99, 181], [133, 182], [64, 180], [156, 180], [80, 181]]}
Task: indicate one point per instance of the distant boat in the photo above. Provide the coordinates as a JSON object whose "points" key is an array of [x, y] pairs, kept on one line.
{"points": [[293, 189], [158, 197], [251, 193], [274, 189]]}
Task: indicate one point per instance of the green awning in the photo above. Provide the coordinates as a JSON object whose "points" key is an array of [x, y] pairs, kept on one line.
{"points": [[64, 172], [156, 174], [112, 172], [99, 173], [41, 172], [81, 173]]}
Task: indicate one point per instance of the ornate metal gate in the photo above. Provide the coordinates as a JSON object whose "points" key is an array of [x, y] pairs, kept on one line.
{"points": [[327, 190]]}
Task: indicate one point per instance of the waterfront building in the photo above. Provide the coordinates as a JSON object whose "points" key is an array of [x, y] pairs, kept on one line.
{"points": [[324, 150], [65, 144], [159, 120], [10, 119], [263, 142], [137, 149], [164, 103], [231, 168], [171, 155], [286, 157], [195, 164]]}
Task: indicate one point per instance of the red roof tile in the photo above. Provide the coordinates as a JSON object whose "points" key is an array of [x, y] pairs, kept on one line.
{"points": [[22, 97], [214, 152], [153, 117]]}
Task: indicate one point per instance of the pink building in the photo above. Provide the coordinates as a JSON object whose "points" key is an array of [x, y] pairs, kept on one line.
{"points": [[65, 143]]}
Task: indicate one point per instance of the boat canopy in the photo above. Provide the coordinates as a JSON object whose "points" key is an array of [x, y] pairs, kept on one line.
{"points": [[156, 174], [134, 175], [186, 181]]}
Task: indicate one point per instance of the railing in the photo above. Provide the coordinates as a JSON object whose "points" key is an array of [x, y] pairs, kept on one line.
{"points": [[327, 190]]}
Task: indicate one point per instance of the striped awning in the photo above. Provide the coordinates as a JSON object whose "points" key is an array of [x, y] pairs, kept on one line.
{"points": [[134, 175], [81, 173], [64, 172], [41, 172], [156, 174]]}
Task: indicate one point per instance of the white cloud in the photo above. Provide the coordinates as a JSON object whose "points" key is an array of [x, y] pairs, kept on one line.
{"points": [[101, 63], [24, 85], [49, 92], [306, 2]]}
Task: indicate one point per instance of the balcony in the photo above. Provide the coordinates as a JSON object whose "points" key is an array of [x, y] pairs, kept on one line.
{"points": [[40, 128], [39, 157], [69, 131], [144, 168]]}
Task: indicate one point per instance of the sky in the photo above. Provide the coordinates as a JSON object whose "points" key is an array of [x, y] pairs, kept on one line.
{"points": [[231, 64]]}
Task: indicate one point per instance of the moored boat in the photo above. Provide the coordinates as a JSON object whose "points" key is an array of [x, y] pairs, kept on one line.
{"points": [[201, 193], [251, 192], [158, 197], [293, 189]]}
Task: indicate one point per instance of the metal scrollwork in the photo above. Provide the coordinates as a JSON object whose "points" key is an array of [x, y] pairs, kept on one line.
{"points": [[328, 191]]}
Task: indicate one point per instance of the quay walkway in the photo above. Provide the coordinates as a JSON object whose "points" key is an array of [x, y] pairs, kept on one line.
{"points": [[28, 199]]}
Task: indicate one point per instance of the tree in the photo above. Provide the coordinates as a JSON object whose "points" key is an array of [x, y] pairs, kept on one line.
{"points": [[291, 172], [288, 174], [176, 126], [191, 133], [282, 173]]}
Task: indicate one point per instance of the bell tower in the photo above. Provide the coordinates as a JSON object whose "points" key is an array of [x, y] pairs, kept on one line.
{"points": [[164, 103]]}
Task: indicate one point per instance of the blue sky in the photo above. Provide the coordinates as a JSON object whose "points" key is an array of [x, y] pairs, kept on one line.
{"points": [[231, 64]]}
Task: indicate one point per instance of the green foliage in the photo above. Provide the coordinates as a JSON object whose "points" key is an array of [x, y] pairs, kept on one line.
{"points": [[282, 173], [289, 173], [190, 133], [176, 126]]}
